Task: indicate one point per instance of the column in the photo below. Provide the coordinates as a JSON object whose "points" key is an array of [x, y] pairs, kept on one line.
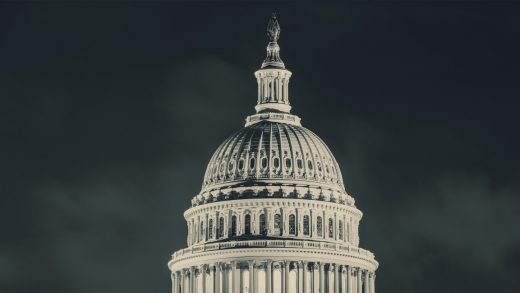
{"points": [[203, 276], [367, 285], [268, 277], [216, 279], [322, 278], [287, 271], [225, 278], [173, 282], [348, 281], [182, 280], [336, 278], [252, 287], [373, 283], [256, 280], [234, 278], [193, 280], [359, 285], [300, 277]]}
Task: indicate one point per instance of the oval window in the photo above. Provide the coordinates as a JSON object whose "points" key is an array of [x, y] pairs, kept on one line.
{"points": [[288, 163], [264, 163], [252, 163], [299, 163], [309, 163], [276, 163], [231, 166], [241, 164]]}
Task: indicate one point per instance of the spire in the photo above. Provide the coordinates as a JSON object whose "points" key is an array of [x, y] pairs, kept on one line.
{"points": [[272, 77]]}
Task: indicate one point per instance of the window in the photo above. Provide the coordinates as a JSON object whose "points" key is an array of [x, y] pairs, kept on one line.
{"points": [[276, 163], [263, 228], [278, 224], [233, 226], [306, 225], [292, 225], [319, 226], [309, 164], [299, 163], [264, 163], [247, 225], [340, 228], [252, 163], [241, 164], [288, 163], [331, 228], [202, 231], [221, 228], [210, 228]]}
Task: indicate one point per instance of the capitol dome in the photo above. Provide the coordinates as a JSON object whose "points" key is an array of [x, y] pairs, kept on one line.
{"points": [[273, 215]]}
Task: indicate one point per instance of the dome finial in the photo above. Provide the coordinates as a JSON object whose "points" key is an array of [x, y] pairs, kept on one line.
{"points": [[273, 28], [273, 50]]}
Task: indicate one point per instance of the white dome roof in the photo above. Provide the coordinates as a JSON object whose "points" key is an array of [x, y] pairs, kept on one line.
{"points": [[273, 153]]}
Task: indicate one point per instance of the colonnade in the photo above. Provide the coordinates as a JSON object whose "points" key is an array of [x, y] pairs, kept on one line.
{"points": [[273, 277]]}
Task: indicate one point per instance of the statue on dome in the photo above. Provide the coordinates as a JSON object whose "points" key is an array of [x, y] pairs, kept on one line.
{"points": [[273, 29]]}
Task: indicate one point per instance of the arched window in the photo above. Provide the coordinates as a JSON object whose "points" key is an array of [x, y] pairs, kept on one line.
{"points": [[233, 226], [319, 226], [221, 228], [292, 225], [263, 227], [306, 225], [210, 228], [247, 224], [331, 228], [278, 224], [340, 229]]}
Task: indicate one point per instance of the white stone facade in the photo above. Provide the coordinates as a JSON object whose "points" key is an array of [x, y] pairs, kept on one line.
{"points": [[273, 215]]}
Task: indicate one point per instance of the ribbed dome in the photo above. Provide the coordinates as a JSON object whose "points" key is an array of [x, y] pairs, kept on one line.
{"points": [[273, 153]]}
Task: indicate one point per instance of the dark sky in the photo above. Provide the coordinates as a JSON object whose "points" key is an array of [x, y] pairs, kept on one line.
{"points": [[110, 112]]}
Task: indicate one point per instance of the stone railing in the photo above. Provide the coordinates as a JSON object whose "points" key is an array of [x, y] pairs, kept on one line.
{"points": [[272, 244]]}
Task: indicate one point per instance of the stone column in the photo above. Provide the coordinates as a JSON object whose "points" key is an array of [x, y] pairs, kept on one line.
{"points": [[173, 282], [216, 279], [367, 285], [373, 283], [203, 276], [336, 278], [224, 279], [252, 287], [359, 283], [182, 280], [322, 277], [268, 277], [287, 271], [234, 277], [300, 277], [348, 281]]}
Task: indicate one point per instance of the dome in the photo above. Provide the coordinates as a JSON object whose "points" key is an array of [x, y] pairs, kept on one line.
{"points": [[273, 153]]}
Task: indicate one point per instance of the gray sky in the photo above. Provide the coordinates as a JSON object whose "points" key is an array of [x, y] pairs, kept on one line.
{"points": [[110, 112]]}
